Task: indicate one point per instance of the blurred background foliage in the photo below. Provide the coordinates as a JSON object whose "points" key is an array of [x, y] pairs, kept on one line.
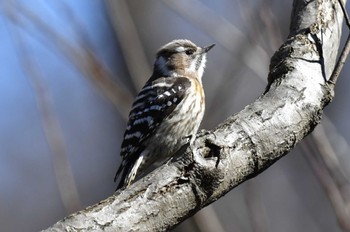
{"points": [[70, 70]]}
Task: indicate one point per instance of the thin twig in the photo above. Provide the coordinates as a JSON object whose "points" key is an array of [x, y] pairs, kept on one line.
{"points": [[345, 13], [345, 52], [340, 64]]}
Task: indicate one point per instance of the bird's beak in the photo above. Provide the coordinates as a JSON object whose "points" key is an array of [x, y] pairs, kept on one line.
{"points": [[207, 48]]}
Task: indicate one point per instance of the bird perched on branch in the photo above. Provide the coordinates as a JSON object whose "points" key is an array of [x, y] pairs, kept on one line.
{"points": [[168, 108]]}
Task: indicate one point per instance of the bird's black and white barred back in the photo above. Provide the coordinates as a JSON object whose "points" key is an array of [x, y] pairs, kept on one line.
{"points": [[168, 108]]}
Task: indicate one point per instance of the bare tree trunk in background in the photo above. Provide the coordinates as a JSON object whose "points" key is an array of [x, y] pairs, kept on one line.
{"points": [[241, 147]]}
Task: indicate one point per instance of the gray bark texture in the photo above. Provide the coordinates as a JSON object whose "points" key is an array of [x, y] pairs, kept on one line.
{"points": [[242, 146]]}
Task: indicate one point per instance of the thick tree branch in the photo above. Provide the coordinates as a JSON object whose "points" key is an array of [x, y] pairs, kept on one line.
{"points": [[241, 147]]}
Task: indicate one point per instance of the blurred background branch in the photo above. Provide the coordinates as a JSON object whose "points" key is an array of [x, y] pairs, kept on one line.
{"points": [[61, 165]]}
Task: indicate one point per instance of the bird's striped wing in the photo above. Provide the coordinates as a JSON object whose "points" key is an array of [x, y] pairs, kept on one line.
{"points": [[155, 102]]}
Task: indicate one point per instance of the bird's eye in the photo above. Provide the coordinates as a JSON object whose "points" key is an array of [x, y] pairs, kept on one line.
{"points": [[189, 52]]}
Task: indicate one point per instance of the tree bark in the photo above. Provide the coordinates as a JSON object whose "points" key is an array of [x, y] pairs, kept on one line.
{"points": [[242, 146]]}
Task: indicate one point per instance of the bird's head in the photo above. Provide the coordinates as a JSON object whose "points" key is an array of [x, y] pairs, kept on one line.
{"points": [[181, 58]]}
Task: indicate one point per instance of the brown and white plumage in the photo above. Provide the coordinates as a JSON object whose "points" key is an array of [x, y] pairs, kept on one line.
{"points": [[168, 108]]}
